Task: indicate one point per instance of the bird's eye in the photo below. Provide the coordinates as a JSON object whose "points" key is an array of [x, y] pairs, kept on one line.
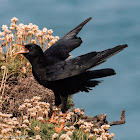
{"points": [[30, 48]]}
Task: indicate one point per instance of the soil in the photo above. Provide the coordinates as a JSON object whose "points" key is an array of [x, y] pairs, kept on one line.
{"points": [[19, 89]]}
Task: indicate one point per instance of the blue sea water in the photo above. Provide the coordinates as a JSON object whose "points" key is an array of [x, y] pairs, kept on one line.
{"points": [[114, 22]]}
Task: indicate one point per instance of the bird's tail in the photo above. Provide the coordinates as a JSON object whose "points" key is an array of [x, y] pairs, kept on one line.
{"points": [[90, 75], [100, 73]]}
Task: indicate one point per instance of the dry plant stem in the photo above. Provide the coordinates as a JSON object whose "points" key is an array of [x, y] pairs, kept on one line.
{"points": [[87, 135], [82, 135], [35, 39], [4, 78], [78, 133], [21, 116], [75, 121], [39, 123], [96, 135]]}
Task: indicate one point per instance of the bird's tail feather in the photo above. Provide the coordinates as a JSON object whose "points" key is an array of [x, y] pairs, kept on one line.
{"points": [[89, 83], [100, 73]]}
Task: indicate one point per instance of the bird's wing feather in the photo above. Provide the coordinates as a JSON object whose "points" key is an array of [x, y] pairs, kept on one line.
{"points": [[60, 50], [81, 63]]}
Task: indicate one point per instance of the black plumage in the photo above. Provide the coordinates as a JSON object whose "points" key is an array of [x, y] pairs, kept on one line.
{"points": [[64, 76]]}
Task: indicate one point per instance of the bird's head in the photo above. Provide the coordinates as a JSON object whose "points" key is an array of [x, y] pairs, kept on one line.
{"points": [[30, 51]]}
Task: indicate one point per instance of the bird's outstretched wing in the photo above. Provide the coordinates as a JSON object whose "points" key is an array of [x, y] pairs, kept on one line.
{"points": [[80, 64], [60, 50]]}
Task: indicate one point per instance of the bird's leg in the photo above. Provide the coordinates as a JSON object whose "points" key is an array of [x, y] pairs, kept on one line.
{"points": [[63, 108], [52, 119], [58, 130], [57, 103]]}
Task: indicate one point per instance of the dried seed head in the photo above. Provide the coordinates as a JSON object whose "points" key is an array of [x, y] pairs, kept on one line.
{"points": [[3, 67], [62, 121], [90, 136], [69, 133], [14, 20], [66, 128], [37, 137], [82, 127], [36, 128], [111, 135], [26, 121], [87, 130], [63, 136], [50, 31], [40, 118], [4, 27], [44, 30], [105, 127], [96, 130], [54, 136], [25, 117], [77, 110]]}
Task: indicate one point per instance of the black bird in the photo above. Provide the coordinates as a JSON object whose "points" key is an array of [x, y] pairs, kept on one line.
{"points": [[64, 76]]}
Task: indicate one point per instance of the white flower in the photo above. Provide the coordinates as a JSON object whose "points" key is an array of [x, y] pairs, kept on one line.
{"points": [[106, 127], [3, 67], [54, 136], [26, 121], [4, 27], [111, 135], [35, 27], [63, 136], [44, 30], [77, 110], [50, 31], [30, 32], [18, 132], [87, 130], [33, 41], [56, 37], [11, 28], [99, 139], [66, 128], [39, 33], [37, 137], [1, 34], [13, 25], [14, 19], [11, 36], [69, 133], [36, 128], [24, 126], [40, 118], [51, 37], [90, 136], [96, 130], [82, 127]]}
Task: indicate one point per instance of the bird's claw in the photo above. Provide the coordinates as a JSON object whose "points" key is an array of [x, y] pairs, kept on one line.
{"points": [[52, 121], [58, 130]]}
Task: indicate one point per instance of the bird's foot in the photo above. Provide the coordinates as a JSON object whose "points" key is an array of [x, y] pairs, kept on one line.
{"points": [[52, 119], [58, 130]]}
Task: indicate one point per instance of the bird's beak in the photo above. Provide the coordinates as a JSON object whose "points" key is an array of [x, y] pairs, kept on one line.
{"points": [[23, 51]]}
